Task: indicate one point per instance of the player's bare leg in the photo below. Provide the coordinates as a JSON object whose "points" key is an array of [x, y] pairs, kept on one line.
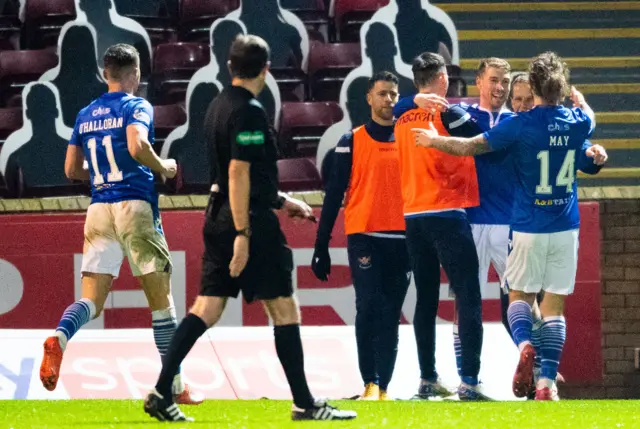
{"points": [[521, 322], [552, 343], [285, 314], [95, 289], [157, 288]]}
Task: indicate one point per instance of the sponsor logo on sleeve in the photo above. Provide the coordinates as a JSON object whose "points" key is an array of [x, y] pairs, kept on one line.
{"points": [[247, 138]]}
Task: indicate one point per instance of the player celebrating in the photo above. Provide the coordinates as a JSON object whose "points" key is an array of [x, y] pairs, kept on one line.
{"points": [[547, 144], [436, 188], [520, 96], [115, 134], [489, 221]]}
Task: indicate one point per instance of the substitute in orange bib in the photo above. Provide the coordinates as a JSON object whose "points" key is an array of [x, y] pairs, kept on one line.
{"points": [[365, 166], [436, 189]]}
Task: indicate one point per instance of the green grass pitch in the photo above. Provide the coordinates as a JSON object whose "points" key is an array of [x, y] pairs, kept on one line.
{"points": [[263, 414]]}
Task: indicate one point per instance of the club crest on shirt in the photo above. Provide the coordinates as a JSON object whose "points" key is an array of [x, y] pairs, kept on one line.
{"points": [[142, 116], [364, 262]]}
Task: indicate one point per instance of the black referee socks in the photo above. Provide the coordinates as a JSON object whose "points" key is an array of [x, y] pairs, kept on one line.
{"points": [[190, 329], [289, 349]]}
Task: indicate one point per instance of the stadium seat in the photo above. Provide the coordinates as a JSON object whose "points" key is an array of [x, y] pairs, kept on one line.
{"points": [[329, 64], [457, 87], [161, 29], [292, 83], [351, 14], [9, 25], [9, 32], [298, 174], [173, 65], [303, 124], [10, 121], [165, 119], [196, 17], [314, 15], [44, 19], [17, 68], [156, 16]]}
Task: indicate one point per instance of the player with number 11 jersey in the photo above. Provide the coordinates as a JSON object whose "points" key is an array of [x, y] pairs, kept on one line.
{"points": [[101, 131], [115, 135]]}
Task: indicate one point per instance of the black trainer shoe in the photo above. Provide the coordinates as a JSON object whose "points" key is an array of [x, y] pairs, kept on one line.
{"points": [[156, 406], [321, 411]]}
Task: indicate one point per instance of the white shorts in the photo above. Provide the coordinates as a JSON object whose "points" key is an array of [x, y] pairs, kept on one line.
{"points": [[128, 228], [543, 262], [492, 245]]}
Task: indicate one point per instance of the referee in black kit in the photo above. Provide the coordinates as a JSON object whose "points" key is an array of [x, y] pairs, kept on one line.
{"points": [[245, 249]]}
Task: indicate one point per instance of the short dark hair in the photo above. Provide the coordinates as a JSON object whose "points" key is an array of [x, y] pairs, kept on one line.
{"points": [[248, 56], [384, 76], [426, 67], [119, 59], [494, 62], [549, 77]]}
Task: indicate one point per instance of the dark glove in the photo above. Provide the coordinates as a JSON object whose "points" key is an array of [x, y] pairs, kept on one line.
{"points": [[321, 261]]}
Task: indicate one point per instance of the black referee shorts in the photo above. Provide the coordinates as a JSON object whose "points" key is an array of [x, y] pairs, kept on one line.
{"points": [[267, 274]]}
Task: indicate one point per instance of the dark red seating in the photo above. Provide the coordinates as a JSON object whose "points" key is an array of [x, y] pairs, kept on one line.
{"points": [[303, 124], [10, 121], [44, 19], [173, 65], [350, 15], [298, 174], [196, 17], [166, 118], [329, 64], [9, 28], [314, 16], [17, 68]]}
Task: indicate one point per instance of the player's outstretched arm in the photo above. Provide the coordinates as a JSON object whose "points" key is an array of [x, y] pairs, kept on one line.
{"points": [[579, 101], [457, 146], [141, 150], [74, 165]]}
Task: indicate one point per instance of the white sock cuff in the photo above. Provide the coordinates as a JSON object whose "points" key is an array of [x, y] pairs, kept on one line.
{"points": [[522, 302], [553, 319], [166, 313], [92, 307]]}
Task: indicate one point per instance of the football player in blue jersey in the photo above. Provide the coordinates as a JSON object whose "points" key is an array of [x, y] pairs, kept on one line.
{"points": [[547, 144], [115, 135]]}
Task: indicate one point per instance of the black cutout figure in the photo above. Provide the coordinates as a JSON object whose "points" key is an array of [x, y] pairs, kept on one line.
{"points": [[222, 37], [190, 150], [40, 154], [382, 51], [109, 33], [78, 80], [418, 32], [139, 7], [264, 18]]}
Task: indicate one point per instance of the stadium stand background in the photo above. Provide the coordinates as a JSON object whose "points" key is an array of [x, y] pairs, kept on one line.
{"points": [[315, 50]]}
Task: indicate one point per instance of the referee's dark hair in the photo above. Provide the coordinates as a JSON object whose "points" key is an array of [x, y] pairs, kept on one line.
{"points": [[382, 76], [248, 56], [426, 67], [120, 60]]}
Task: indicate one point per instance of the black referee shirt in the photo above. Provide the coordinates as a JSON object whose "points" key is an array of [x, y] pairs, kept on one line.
{"points": [[236, 127]]}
